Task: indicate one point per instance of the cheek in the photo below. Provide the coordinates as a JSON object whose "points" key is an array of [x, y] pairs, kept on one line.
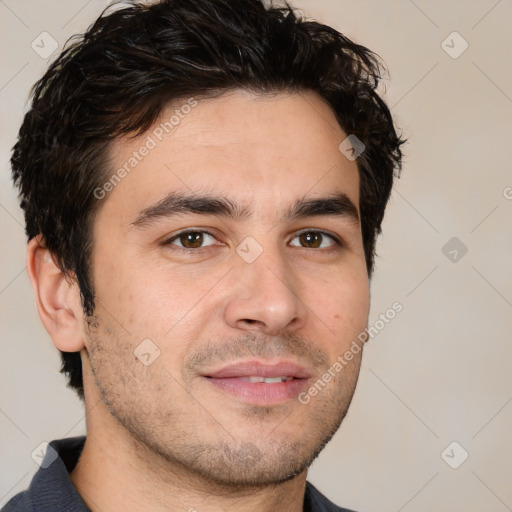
{"points": [[153, 300], [343, 304], [353, 305]]}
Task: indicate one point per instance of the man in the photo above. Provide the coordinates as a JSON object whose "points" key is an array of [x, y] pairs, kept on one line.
{"points": [[203, 183]]}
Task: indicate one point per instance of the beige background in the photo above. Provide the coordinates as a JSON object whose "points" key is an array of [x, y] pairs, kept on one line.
{"points": [[441, 370]]}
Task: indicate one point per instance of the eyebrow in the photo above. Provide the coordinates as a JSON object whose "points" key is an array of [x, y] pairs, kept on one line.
{"points": [[182, 203], [338, 204]]}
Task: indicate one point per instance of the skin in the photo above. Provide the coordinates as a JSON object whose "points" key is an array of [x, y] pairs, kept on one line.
{"points": [[161, 437]]}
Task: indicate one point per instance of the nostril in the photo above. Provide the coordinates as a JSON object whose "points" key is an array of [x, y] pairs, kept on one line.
{"points": [[251, 321]]}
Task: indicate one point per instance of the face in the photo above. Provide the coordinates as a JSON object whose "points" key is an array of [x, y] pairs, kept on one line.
{"points": [[230, 275]]}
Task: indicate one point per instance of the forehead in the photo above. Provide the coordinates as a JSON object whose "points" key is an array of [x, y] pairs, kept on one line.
{"points": [[265, 150]]}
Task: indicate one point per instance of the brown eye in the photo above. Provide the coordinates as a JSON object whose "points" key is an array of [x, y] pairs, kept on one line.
{"points": [[315, 240], [191, 239], [311, 239]]}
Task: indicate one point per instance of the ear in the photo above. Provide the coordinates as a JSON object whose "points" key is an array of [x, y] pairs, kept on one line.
{"points": [[57, 298]]}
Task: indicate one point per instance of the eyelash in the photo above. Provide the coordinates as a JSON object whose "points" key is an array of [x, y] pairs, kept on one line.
{"points": [[168, 243]]}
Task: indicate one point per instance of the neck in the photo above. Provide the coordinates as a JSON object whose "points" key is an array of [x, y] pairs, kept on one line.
{"points": [[118, 472]]}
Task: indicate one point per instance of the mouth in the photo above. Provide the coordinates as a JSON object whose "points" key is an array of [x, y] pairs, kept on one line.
{"points": [[260, 383]]}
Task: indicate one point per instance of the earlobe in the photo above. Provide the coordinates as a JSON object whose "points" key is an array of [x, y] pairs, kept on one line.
{"points": [[57, 298]]}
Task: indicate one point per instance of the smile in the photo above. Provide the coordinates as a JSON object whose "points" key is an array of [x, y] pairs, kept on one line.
{"points": [[267, 380]]}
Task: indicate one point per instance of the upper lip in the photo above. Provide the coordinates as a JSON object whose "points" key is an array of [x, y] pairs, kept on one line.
{"points": [[260, 369]]}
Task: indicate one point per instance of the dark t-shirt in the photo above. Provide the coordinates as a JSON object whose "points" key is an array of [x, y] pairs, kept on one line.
{"points": [[52, 490]]}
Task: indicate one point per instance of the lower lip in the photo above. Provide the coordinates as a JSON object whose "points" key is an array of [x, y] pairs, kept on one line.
{"points": [[260, 393]]}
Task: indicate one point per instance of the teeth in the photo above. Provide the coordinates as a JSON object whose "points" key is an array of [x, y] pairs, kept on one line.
{"points": [[267, 380]]}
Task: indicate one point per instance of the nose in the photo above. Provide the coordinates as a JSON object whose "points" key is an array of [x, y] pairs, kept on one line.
{"points": [[265, 297]]}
